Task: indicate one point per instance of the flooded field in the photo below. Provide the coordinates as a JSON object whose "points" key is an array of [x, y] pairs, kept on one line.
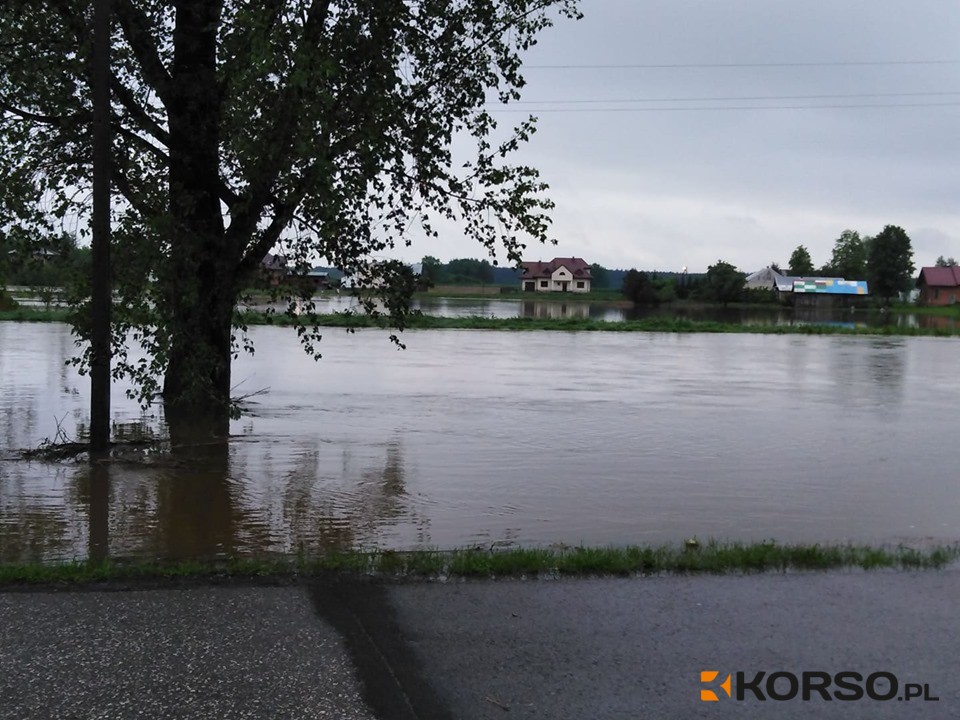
{"points": [[524, 306], [482, 438]]}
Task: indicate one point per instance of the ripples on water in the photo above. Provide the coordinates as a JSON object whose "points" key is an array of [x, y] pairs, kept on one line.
{"points": [[488, 437]]}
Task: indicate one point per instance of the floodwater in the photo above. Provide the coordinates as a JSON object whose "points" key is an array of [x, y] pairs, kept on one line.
{"points": [[524, 306], [527, 306], [498, 438]]}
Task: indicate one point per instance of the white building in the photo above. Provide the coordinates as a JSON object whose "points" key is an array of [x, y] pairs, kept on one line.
{"points": [[559, 275]]}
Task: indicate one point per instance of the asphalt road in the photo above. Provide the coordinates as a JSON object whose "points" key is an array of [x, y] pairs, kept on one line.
{"points": [[576, 648]]}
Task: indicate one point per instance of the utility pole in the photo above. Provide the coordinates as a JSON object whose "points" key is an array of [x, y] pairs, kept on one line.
{"points": [[102, 295]]}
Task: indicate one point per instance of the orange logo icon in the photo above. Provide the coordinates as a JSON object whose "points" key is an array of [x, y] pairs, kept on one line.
{"points": [[708, 676]]}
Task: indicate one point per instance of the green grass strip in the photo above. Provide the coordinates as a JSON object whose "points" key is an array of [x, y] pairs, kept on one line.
{"points": [[653, 324], [432, 322], [711, 557]]}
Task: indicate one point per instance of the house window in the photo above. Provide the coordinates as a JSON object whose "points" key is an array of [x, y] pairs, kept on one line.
{"points": [[936, 293], [580, 284], [543, 283]]}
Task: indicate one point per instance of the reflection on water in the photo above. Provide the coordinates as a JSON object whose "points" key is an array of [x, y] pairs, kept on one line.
{"points": [[617, 311], [480, 438]]}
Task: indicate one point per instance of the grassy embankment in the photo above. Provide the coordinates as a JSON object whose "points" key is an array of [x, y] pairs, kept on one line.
{"points": [[952, 311], [711, 557], [432, 322]]}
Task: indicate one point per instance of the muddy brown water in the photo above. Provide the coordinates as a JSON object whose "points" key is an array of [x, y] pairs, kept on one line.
{"points": [[500, 438]]}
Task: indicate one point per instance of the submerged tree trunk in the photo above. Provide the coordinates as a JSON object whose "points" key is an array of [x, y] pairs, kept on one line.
{"points": [[196, 388], [200, 280]]}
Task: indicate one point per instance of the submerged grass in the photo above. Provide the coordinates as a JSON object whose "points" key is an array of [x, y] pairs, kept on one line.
{"points": [[711, 557]]}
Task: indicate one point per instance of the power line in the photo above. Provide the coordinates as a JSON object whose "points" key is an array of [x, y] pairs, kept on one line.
{"points": [[711, 66], [741, 98]]}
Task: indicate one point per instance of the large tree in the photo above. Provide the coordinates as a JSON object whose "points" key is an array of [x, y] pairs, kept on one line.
{"points": [[849, 258], [723, 283], [599, 276], [800, 262], [639, 289], [890, 263], [330, 129]]}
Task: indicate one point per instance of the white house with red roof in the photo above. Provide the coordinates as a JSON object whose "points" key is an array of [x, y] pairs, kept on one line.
{"points": [[559, 275]]}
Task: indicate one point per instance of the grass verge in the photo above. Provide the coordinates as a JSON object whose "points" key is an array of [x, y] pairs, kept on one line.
{"points": [[26, 314], [652, 324], [711, 557]]}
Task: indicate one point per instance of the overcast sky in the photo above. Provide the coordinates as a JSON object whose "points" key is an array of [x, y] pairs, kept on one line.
{"points": [[679, 182]]}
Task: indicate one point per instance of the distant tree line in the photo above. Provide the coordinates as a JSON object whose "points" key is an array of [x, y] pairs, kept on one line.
{"points": [[721, 283], [885, 261], [55, 262], [460, 271]]}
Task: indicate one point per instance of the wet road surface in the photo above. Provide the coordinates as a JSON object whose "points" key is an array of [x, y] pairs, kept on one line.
{"points": [[573, 648]]}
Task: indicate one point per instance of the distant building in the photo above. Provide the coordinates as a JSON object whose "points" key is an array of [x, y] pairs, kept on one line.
{"points": [[317, 278], [939, 285], [273, 269], [559, 275], [811, 288], [766, 279], [827, 292]]}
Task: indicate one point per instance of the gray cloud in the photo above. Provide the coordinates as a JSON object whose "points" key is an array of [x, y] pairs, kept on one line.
{"points": [[667, 188]]}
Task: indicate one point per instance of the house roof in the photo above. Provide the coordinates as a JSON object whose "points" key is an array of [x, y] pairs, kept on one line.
{"points": [[939, 276], [578, 267], [786, 283], [274, 262]]}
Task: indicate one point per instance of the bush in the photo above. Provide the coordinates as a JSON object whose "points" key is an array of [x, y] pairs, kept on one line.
{"points": [[760, 295], [6, 302]]}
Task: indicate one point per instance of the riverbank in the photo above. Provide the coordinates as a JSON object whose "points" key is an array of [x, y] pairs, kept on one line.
{"points": [[690, 557], [476, 322]]}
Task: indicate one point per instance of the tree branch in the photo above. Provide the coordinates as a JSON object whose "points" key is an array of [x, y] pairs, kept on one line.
{"points": [[146, 123], [55, 120], [122, 183], [276, 153], [268, 237], [241, 57], [136, 29], [142, 142]]}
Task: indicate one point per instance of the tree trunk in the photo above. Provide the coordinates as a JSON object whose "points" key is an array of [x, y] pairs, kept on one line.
{"points": [[196, 388], [201, 277]]}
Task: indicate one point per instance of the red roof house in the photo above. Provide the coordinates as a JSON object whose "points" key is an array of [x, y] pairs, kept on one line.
{"points": [[939, 285], [559, 275]]}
